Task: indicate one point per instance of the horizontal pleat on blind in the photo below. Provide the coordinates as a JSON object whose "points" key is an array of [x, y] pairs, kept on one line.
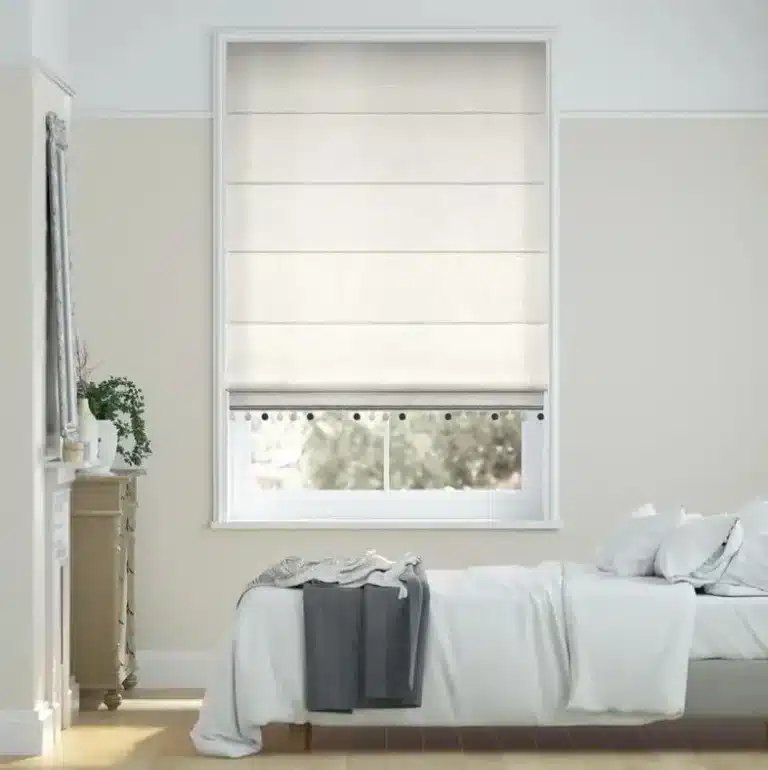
{"points": [[390, 356], [360, 288], [386, 77], [386, 149], [387, 216]]}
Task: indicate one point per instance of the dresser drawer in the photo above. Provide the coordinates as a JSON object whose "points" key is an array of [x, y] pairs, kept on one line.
{"points": [[98, 495]]}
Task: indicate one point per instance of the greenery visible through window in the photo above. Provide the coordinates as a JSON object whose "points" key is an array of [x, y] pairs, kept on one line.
{"points": [[364, 450]]}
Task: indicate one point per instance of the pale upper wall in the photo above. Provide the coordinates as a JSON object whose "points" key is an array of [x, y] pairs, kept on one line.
{"points": [[15, 45], [612, 55], [49, 30], [35, 31]]}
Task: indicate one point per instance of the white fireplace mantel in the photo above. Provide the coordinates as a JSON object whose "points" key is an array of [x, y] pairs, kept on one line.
{"points": [[60, 689]]}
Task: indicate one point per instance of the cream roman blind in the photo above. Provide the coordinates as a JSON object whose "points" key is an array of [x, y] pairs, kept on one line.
{"points": [[386, 217]]}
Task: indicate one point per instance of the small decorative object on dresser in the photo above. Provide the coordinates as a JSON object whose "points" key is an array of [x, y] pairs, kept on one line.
{"points": [[73, 452], [102, 553], [88, 427], [118, 406], [107, 445]]}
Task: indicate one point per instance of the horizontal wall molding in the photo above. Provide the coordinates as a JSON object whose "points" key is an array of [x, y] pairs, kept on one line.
{"points": [[174, 669], [27, 733], [86, 114], [410, 34], [639, 114]]}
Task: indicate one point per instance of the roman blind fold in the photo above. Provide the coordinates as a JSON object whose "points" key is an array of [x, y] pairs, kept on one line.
{"points": [[386, 216]]}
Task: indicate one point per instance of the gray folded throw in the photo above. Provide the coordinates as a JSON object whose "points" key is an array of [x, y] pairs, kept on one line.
{"points": [[364, 647]]}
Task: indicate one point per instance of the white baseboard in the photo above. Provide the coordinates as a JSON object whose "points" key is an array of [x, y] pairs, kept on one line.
{"points": [[29, 733], [173, 669]]}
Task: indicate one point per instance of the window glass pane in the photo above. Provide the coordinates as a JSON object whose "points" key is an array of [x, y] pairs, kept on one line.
{"points": [[411, 449], [455, 450], [324, 450]]}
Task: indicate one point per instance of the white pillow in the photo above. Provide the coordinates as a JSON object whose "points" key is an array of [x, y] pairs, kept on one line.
{"points": [[748, 570], [631, 552], [754, 517], [700, 551]]}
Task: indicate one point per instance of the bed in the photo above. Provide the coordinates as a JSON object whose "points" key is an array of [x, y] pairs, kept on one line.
{"points": [[511, 645]]}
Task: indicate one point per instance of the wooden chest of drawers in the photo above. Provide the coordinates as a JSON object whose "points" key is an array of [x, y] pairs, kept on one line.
{"points": [[102, 604]]}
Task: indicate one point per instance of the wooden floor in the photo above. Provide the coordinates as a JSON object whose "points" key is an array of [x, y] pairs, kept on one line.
{"points": [[151, 732]]}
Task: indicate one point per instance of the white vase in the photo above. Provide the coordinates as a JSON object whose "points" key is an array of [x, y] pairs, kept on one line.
{"points": [[107, 445], [88, 427]]}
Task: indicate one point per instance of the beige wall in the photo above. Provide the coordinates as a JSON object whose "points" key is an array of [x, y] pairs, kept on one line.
{"points": [[27, 97], [18, 338], [662, 245]]}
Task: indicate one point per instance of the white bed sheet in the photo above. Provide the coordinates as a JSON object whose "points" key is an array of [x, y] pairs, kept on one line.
{"points": [[730, 628], [497, 654]]}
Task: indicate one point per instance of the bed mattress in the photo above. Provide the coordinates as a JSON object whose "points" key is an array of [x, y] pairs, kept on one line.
{"points": [[730, 628]]}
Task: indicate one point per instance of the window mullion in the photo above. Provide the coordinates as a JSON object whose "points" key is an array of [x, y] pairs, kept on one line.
{"points": [[387, 445]]}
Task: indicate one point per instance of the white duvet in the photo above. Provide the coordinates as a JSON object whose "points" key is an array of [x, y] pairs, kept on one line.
{"points": [[555, 644]]}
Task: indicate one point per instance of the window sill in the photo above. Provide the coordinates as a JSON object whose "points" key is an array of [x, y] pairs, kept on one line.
{"points": [[339, 524]]}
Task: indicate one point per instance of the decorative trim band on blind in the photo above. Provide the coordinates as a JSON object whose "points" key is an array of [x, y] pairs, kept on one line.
{"points": [[358, 398], [387, 217]]}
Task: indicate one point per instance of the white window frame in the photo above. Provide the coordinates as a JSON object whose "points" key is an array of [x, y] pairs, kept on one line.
{"points": [[536, 506]]}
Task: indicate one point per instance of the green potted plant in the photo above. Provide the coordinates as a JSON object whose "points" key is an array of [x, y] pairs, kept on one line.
{"points": [[117, 403]]}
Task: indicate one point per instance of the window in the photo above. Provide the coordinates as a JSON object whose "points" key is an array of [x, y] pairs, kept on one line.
{"points": [[385, 279]]}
